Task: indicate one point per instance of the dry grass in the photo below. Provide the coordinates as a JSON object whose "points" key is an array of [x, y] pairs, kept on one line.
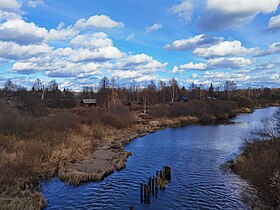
{"points": [[118, 117], [260, 164], [206, 110]]}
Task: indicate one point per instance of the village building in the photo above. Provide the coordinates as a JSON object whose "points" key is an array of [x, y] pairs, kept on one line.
{"points": [[88, 102]]}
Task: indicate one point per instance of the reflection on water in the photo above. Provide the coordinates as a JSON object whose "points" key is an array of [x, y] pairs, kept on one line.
{"points": [[194, 154]]}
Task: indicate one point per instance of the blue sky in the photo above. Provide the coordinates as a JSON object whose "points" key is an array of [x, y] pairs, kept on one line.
{"points": [[78, 42]]}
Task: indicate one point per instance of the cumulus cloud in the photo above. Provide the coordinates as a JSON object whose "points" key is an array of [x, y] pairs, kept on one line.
{"points": [[274, 23], [219, 63], [138, 59], [97, 55], [14, 51], [61, 34], [9, 5], [92, 41], [98, 21], [190, 43], [274, 48], [152, 28], [176, 70], [184, 10], [226, 48], [220, 14], [21, 32], [35, 3], [192, 66], [243, 79]]}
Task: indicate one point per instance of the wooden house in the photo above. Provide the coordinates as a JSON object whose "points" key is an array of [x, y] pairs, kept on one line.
{"points": [[88, 102]]}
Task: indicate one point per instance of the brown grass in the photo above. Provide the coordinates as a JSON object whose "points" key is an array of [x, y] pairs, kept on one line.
{"points": [[118, 117], [260, 164]]}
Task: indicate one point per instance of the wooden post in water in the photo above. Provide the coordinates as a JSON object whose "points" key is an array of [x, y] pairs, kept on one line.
{"points": [[156, 184], [150, 182], [168, 171], [141, 193], [153, 186], [145, 193], [149, 194], [131, 208]]}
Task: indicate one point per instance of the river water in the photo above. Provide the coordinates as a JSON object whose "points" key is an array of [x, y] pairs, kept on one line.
{"points": [[194, 153]]}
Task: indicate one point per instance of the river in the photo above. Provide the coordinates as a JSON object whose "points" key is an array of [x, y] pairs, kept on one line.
{"points": [[194, 153]]}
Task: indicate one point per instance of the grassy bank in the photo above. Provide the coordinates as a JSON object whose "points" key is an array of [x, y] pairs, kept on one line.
{"points": [[259, 163]]}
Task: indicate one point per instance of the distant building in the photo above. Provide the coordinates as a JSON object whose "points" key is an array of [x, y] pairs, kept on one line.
{"points": [[88, 102]]}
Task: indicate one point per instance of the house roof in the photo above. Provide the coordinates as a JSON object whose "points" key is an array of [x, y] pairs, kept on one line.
{"points": [[89, 101]]}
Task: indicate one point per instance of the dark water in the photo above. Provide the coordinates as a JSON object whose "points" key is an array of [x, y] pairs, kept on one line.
{"points": [[194, 154]]}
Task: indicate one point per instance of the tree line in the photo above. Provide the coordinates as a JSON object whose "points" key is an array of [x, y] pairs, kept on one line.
{"points": [[109, 93]]}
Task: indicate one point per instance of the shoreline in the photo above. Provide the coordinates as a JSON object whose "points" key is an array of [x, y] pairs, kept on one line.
{"points": [[112, 156], [106, 157]]}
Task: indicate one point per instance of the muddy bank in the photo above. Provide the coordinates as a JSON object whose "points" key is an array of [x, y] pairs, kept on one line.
{"points": [[111, 156]]}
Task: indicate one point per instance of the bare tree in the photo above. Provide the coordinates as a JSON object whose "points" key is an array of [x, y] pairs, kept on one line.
{"points": [[229, 87], [173, 89], [38, 85]]}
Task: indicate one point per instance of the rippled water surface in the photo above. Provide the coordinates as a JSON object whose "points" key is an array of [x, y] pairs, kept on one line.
{"points": [[194, 153]]}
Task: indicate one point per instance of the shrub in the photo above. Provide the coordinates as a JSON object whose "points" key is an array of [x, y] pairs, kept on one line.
{"points": [[32, 104], [258, 163], [61, 122], [14, 123], [118, 117]]}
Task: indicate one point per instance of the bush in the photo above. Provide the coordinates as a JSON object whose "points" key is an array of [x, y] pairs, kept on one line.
{"points": [[32, 104], [118, 117], [60, 122], [259, 163], [24, 164], [14, 123]]}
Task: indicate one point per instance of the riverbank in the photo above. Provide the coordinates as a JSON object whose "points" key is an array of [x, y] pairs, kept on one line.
{"points": [[259, 163], [80, 160]]}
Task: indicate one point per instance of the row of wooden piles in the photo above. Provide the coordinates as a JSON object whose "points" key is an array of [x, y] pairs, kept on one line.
{"points": [[160, 181]]}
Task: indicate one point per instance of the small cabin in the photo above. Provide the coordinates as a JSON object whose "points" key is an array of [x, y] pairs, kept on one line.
{"points": [[88, 102], [183, 99]]}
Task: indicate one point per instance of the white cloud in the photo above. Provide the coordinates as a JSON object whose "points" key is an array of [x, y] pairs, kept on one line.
{"points": [[61, 34], [243, 6], [97, 55], [35, 3], [221, 77], [91, 41], [63, 52], [225, 48], [140, 68], [21, 32], [177, 70], [192, 66], [220, 14], [130, 37], [98, 21], [183, 10], [275, 77], [9, 5], [274, 48], [154, 27], [274, 23], [138, 59], [190, 43], [13, 51], [229, 63], [219, 63]]}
